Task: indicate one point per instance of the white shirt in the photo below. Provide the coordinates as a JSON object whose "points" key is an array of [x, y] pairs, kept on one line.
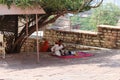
{"points": [[56, 49]]}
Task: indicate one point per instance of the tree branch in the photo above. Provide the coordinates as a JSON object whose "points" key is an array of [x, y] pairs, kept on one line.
{"points": [[97, 4]]}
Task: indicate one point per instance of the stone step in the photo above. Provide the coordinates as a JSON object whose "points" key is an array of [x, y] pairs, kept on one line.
{"points": [[84, 47]]}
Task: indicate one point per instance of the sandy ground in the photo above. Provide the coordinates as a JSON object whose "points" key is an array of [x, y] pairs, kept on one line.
{"points": [[104, 65]]}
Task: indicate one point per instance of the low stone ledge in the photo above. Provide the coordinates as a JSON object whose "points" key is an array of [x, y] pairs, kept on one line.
{"points": [[109, 27]]}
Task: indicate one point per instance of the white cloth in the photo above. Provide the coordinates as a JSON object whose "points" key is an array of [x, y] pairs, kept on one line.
{"points": [[56, 49]]}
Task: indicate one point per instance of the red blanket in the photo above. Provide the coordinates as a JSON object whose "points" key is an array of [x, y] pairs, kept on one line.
{"points": [[79, 55]]}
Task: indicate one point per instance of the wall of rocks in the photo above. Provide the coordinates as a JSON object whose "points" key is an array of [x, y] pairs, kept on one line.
{"points": [[109, 36], [106, 37], [29, 45]]}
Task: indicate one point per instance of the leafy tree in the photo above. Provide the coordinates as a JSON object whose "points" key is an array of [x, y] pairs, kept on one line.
{"points": [[107, 14], [53, 9]]}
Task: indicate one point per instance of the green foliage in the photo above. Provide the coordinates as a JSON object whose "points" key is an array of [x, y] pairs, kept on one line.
{"points": [[53, 6], [84, 23], [22, 3], [107, 14]]}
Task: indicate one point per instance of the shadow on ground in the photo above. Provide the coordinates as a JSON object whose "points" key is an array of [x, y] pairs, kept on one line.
{"points": [[101, 58]]}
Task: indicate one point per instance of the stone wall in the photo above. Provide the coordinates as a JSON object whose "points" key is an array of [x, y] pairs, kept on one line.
{"points": [[106, 37], [109, 36], [29, 45]]}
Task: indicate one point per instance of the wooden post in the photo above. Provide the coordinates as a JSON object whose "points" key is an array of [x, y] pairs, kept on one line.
{"points": [[26, 34], [37, 38]]}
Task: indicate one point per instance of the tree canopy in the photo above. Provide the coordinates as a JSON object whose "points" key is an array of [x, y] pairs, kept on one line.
{"points": [[54, 8], [107, 14]]}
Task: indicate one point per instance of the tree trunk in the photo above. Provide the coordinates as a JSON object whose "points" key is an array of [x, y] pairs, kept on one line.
{"points": [[16, 47]]}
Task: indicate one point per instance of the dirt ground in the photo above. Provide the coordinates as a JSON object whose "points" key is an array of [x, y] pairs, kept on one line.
{"points": [[104, 65]]}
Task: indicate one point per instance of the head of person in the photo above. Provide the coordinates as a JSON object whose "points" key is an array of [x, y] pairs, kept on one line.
{"points": [[60, 41], [44, 39]]}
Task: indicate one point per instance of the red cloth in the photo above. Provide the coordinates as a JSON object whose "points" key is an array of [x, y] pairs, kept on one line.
{"points": [[44, 47], [80, 55]]}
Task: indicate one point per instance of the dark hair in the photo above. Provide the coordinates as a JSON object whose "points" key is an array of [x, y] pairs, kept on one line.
{"points": [[44, 39], [0, 43], [60, 40]]}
